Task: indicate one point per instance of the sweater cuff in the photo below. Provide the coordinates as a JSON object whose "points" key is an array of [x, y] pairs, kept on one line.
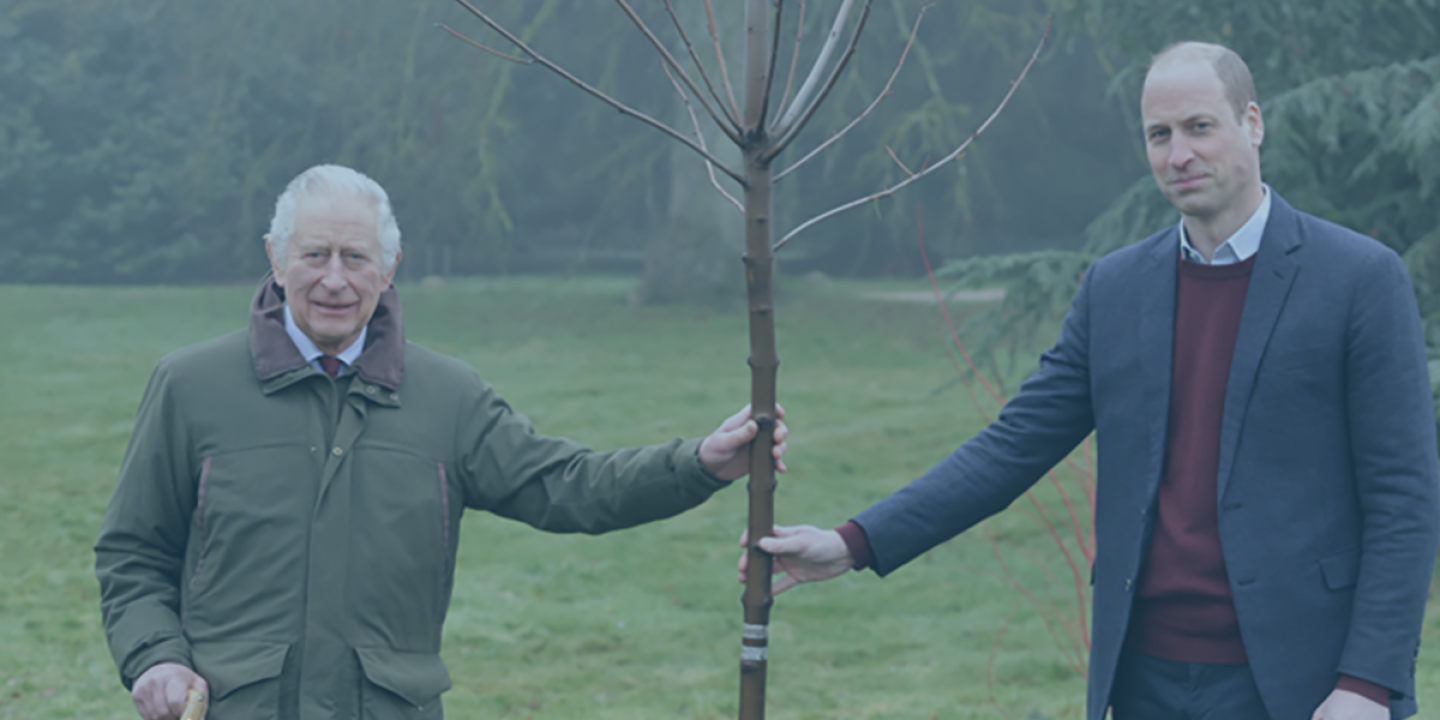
{"points": [[1368, 690], [857, 543]]}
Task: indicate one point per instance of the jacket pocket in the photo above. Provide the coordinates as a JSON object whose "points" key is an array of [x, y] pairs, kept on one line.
{"points": [[401, 685], [244, 678], [1341, 571]]}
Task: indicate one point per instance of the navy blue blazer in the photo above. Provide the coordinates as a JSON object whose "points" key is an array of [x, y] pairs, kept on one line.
{"points": [[1328, 499]]}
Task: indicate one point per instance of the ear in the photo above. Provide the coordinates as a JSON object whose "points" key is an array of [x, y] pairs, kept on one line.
{"points": [[1255, 125], [391, 275], [277, 268]]}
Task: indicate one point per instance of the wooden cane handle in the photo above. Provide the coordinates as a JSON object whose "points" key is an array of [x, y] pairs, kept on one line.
{"points": [[194, 706]]}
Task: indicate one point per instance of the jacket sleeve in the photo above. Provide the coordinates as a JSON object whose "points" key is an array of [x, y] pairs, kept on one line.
{"points": [[1392, 437], [141, 548], [558, 485], [1036, 429]]}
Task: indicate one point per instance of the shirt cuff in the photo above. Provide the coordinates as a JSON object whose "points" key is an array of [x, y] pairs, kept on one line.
{"points": [[1368, 690], [857, 543]]}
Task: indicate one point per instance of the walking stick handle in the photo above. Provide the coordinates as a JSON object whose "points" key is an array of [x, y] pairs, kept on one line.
{"points": [[194, 706]]}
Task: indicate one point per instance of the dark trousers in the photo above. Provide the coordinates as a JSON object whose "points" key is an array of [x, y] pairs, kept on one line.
{"points": [[1149, 688]]}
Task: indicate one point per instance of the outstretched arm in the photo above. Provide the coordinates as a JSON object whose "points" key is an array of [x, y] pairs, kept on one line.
{"points": [[559, 485]]}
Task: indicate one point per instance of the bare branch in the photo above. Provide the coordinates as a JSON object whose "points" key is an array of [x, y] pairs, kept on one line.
{"points": [[774, 55], [794, 61], [695, 57], [719, 118], [472, 43], [577, 82], [791, 131], [803, 96], [700, 135], [884, 93], [720, 58], [955, 155]]}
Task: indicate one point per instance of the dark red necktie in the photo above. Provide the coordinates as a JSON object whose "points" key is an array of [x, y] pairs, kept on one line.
{"points": [[331, 365]]}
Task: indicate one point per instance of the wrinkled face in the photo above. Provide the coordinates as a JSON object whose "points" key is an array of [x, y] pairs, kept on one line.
{"points": [[332, 271], [1204, 158]]}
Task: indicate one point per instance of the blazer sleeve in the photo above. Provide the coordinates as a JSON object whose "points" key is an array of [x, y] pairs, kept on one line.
{"points": [[140, 553], [1036, 429], [1392, 436]]}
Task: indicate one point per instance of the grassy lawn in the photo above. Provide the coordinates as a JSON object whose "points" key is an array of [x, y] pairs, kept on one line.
{"points": [[639, 624]]}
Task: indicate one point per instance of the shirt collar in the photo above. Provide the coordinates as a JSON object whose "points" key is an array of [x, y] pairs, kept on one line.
{"points": [[1240, 246], [307, 348]]}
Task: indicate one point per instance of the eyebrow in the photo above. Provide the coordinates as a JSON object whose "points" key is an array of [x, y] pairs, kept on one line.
{"points": [[1185, 121]]}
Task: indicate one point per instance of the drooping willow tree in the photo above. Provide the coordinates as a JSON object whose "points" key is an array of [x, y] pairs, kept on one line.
{"points": [[762, 126]]}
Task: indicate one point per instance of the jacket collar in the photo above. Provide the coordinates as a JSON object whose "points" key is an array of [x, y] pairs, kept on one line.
{"points": [[382, 362]]}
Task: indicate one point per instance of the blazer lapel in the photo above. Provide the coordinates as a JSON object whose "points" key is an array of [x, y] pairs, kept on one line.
{"points": [[1270, 282], [1156, 294]]}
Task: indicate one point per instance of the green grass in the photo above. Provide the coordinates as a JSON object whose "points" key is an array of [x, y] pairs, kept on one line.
{"points": [[638, 624]]}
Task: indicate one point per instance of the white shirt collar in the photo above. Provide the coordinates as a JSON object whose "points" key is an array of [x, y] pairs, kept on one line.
{"points": [[312, 354], [1240, 246]]}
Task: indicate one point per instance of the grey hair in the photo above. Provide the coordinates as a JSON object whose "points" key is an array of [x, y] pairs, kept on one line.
{"points": [[336, 178]]}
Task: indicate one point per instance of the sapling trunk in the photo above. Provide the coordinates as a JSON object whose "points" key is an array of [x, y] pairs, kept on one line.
{"points": [[764, 362]]}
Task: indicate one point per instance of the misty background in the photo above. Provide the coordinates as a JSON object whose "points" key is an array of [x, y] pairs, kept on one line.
{"points": [[144, 141]]}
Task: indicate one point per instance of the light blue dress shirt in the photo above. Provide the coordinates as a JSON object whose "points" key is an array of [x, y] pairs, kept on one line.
{"points": [[312, 354], [1240, 246]]}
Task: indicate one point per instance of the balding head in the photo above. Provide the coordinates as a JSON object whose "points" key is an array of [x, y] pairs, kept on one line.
{"points": [[1234, 74]]}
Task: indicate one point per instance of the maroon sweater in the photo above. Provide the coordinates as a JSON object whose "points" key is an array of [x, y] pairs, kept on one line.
{"points": [[1183, 608]]}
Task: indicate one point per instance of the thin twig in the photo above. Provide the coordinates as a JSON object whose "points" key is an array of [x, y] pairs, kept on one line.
{"points": [[700, 135], [622, 107], [1069, 560], [884, 93], [695, 57], [791, 131], [945, 312], [472, 43], [907, 170], [720, 58], [794, 61], [803, 96], [1077, 663], [719, 118], [957, 153], [990, 664]]}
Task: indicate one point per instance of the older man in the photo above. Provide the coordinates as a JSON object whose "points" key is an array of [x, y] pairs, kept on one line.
{"points": [[286, 519], [1266, 512]]}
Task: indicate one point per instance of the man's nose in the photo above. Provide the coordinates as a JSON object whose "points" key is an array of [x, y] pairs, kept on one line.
{"points": [[1180, 153], [333, 278]]}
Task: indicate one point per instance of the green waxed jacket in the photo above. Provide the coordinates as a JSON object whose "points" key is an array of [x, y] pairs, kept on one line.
{"points": [[292, 538]]}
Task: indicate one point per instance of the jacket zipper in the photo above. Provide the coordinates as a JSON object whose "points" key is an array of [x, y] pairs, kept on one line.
{"points": [[203, 537], [445, 520], [200, 513]]}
